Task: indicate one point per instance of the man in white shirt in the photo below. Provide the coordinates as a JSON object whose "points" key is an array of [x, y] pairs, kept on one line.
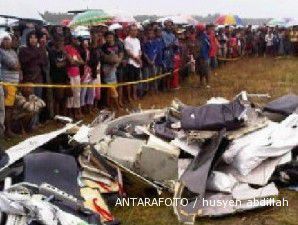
{"points": [[269, 42], [133, 49]]}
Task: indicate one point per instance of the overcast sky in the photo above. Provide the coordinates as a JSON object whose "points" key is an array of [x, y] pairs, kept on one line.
{"points": [[244, 8]]}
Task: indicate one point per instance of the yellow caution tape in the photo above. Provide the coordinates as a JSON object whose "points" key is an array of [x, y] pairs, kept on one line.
{"points": [[229, 59], [115, 85]]}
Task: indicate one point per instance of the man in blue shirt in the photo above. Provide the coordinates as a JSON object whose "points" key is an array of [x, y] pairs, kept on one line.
{"points": [[159, 61], [150, 52], [203, 57], [171, 42]]}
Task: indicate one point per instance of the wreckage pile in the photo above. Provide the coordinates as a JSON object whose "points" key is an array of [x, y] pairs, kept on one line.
{"points": [[221, 151]]}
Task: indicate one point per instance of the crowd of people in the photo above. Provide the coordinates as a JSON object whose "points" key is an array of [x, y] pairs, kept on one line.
{"points": [[52, 55]]}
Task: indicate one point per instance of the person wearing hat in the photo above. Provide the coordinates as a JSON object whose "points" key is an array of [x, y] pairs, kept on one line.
{"points": [[203, 56], [10, 72]]}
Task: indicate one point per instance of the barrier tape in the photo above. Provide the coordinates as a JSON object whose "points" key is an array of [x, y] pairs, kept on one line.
{"points": [[115, 85], [228, 59]]}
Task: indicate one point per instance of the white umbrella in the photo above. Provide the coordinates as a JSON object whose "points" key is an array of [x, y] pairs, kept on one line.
{"points": [[292, 22], [180, 19], [120, 16], [184, 19], [81, 31], [115, 26]]}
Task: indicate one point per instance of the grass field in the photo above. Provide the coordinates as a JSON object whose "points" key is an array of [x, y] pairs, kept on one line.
{"points": [[256, 75]]}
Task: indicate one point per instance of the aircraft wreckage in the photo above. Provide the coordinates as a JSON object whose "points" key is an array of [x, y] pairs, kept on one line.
{"points": [[218, 152]]}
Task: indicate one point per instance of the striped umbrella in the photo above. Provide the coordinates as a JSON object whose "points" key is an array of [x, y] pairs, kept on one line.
{"points": [[90, 18], [231, 20]]}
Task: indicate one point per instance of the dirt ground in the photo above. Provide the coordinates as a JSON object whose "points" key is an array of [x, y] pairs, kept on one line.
{"points": [[256, 75]]}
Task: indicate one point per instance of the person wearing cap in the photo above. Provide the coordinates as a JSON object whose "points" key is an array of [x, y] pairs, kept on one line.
{"points": [[170, 42], [10, 72], [203, 56]]}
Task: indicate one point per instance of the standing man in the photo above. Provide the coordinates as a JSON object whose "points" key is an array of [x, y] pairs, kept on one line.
{"points": [[213, 47], [269, 43], [133, 48], [171, 43], [203, 57], [112, 55], [159, 63], [150, 51]]}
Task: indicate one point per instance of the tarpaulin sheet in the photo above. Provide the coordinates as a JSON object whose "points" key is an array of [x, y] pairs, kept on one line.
{"points": [[285, 105], [213, 116]]}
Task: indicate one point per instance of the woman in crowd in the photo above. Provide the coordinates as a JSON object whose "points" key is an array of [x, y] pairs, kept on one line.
{"points": [[58, 74], [94, 64], [73, 72], [87, 94], [32, 63], [10, 69]]}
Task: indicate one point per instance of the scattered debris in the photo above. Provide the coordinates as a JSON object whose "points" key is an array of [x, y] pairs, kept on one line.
{"points": [[222, 151]]}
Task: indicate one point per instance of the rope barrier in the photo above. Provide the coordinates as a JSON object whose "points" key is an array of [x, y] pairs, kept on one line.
{"points": [[115, 85], [229, 59]]}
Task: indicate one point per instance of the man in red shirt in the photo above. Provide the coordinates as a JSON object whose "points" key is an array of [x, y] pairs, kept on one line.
{"points": [[213, 46]]}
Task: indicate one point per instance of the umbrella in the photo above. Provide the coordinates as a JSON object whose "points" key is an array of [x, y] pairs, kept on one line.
{"points": [[120, 16], [90, 18], [231, 20], [180, 19], [281, 22], [184, 19], [292, 23], [115, 26], [81, 31]]}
